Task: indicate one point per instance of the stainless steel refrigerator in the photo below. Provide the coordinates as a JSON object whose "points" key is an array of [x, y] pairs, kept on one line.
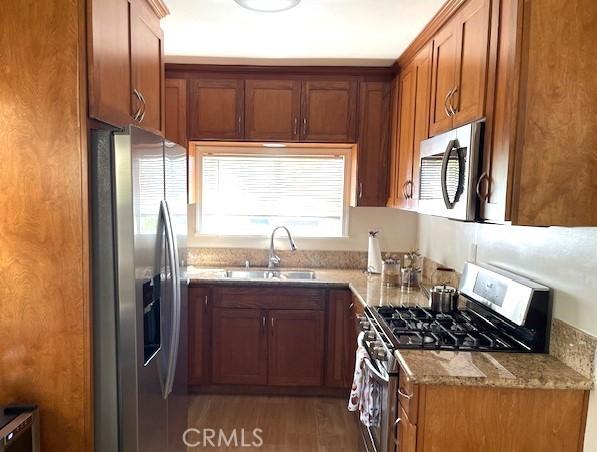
{"points": [[139, 227]]}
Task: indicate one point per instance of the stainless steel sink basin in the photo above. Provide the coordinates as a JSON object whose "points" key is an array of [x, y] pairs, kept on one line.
{"points": [[270, 274]]}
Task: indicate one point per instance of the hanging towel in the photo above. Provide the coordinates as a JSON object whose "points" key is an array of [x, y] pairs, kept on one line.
{"points": [[365, 392]]}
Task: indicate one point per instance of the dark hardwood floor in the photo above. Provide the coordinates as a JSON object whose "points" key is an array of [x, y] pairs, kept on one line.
{"points": [[288, 424]]}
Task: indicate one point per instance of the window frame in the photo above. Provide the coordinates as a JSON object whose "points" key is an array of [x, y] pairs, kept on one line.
{"points": [[197, 149]]}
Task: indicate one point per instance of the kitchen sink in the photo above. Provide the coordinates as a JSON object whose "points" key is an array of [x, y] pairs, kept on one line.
{"points": [[270, 274]]}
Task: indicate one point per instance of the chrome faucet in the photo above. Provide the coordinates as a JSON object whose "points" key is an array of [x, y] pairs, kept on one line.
{"points": [[274, 259]]}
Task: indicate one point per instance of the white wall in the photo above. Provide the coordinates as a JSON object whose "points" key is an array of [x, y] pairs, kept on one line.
{"points": [[564, 259], [398, 233]]}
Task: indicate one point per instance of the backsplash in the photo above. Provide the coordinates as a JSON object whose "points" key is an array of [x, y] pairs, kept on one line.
{"points": [[236, 257]]}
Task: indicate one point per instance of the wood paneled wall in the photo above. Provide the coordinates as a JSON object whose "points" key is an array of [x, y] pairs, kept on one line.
{"points": [[44, 276]]}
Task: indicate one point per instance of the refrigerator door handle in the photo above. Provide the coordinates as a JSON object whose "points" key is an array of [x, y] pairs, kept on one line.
{"points": [[175, 272]]}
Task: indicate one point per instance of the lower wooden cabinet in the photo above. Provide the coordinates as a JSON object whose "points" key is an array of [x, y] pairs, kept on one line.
{"points": [[239, 347], [341, 339], [489, 419], [295, 348], [239, 337]]}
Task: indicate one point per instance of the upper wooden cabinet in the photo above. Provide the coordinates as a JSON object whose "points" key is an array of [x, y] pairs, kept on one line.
{"points": [[216, 109], [109, 61], [373, 143], [147, 66], [328, 111], [272, 110], [125, 63], [460, 51], [540, 164], [175, 111], [412, 127]]}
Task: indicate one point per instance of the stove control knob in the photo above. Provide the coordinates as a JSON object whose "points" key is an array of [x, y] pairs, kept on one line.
{"points": [[365, 325], [369, 335], [381, 355]]}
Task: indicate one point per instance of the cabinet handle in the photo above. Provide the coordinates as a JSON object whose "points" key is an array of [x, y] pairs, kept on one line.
{"points": [[263, 323], [405, 395], [206, 300], [397, 421], [144, 107], [137, 94], [446, 109], [295, 127], [484, 197], [272, 318], [452, 108], [360, 190], [304, 126], [404, 190], [238, 124], [409, 186]]}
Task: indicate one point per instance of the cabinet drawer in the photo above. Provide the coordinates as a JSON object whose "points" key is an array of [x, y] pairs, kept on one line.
{"points": [[408, 396], [269, 298]]}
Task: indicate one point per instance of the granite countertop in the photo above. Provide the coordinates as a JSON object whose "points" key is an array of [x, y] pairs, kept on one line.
{"points": [[507, 370]]}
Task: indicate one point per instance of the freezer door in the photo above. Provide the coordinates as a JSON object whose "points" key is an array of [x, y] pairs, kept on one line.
{"points": [[175, 160], [142, 291]]}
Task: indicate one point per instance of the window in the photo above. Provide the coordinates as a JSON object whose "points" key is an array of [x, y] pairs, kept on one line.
{"points": [[248, 189]]}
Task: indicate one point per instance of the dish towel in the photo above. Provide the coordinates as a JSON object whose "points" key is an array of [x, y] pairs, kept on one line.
{"points": [[365, 391]]}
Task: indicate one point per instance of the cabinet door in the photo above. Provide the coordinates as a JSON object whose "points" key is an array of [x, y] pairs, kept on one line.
{"points": [[295, 348], [442, 79], [341, 340], [373, 149], [199, 335], [422, 75], [272, 110], [405, 135], [394, 113], [176, 111], [239, 351], [147, 49], [329, 111], [109, 62], [407, 434], [472, 36], [216, 109]]}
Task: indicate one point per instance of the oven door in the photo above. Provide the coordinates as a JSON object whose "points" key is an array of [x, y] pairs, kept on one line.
{"points": [[381, 436], [449, 171]]}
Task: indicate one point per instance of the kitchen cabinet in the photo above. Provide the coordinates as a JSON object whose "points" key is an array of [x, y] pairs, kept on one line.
{"points": [[536, 420], [539, 166], [109, 61], [460, 58], [216, 109], [176, 111], [199, 335], [295, 348], [147, 66], [328, 111], [239, 346], [125, 63], [272, 110], [393, 171], [264, 339], [412, 126], [373, 143], [341, 339]]}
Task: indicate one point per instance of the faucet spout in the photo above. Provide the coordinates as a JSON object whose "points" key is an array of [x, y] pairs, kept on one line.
{"points": [[274, 259]]}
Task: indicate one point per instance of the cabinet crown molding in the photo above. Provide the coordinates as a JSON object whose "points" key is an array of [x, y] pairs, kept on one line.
{"points": [[159, 8]]}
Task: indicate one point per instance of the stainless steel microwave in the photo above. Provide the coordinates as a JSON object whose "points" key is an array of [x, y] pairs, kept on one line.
{"points": [[449, 172]]}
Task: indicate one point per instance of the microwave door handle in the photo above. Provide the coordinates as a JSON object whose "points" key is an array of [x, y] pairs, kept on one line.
{"points": [[444, 173]]}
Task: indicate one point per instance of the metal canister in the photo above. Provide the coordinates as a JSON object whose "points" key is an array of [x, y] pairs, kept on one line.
{"points": [[390, 272], [443, 299]]}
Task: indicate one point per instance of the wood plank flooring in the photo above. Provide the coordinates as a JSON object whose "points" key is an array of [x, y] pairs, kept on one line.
{"points": [[288, 424]]}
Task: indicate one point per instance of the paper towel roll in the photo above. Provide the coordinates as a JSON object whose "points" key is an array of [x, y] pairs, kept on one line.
{"points": [[374, 253]]}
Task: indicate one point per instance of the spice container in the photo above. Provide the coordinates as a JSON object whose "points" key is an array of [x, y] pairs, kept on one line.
{"points": [[390, 273], [411, 272]]}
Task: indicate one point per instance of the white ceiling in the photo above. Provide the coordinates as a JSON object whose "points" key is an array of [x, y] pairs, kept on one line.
{"points": [[327, 32]]}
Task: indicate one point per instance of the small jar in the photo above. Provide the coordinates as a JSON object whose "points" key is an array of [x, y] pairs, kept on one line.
{"points": [[411, 278], [390, 272]]}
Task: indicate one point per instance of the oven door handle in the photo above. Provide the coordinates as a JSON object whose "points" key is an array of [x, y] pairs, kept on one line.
{"points": [[376, 374]]}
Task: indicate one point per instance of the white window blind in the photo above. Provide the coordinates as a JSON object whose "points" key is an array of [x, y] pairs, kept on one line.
{"points": [[249, 194]]}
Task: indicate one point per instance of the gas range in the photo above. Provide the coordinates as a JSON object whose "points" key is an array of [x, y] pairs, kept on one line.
{"points": [[416, 327]]}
